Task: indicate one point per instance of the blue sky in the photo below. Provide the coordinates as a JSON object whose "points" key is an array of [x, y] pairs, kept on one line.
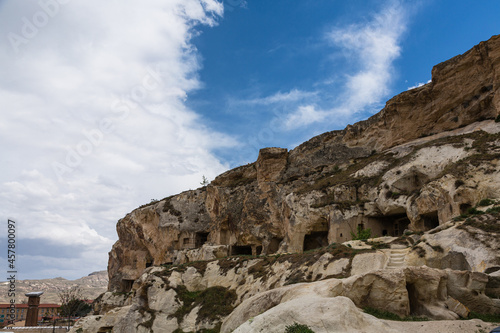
{"points": [[264, 50], [107, 105]]}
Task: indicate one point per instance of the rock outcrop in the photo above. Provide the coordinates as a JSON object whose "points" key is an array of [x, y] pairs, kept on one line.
{"points": [[428, 156], [240, 293], [265, 238]]}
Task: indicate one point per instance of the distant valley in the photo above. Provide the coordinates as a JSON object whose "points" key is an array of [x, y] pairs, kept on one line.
{"points": [[91, 286]]}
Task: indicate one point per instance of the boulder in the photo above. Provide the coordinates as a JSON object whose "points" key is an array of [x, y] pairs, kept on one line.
{"points": [[321, 314]]}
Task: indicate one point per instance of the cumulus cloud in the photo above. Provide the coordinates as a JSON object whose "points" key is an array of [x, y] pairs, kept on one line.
{"points": [[371, 48], [304, 115], [94, 120], [294, 95]]}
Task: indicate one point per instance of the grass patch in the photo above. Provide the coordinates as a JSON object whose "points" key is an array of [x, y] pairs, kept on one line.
{"points": [[343, 176], [493, 210], [379, 245], [490, 225], [214, 302], [485, 202], [474, 211], [437, 248], [491, 318], [392, 316], [298, 328]]}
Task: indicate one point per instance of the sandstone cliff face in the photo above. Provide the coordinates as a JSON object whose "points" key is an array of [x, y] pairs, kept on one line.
{"points": [[427, 157], [269, 243], [249, 294]]}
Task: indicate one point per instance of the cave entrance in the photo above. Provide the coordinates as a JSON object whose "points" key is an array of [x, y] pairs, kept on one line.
{"points": [[126, 285], [315, 240], [431, 220], [224, 237], [464, 208], [416, 308], [400, 225], [258, 250], [188, 242], [274, 245], [237, 250], [391, 225], [201, 238], [149, 260]]}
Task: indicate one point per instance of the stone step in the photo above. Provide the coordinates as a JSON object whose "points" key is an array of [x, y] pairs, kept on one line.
{"points": [[397, 258], [399, 250]]}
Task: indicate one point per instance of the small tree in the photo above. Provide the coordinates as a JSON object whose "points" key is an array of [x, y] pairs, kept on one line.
{"points": [[204, 181], [72, 304], [362, 234]]}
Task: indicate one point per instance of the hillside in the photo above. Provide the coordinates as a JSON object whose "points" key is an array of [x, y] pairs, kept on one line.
{"points": [[247, 252], [91, 286]]}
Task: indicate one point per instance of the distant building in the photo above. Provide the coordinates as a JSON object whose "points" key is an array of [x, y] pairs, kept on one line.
{"points": [[45, 310]]}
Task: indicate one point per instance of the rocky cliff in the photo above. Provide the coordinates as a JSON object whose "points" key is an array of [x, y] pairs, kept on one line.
{"points": [[425, 158], [423, 175]]}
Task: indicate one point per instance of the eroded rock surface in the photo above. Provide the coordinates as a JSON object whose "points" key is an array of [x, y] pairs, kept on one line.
{"points": [[417, 173]]}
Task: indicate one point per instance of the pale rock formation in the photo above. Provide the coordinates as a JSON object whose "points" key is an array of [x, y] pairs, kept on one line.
{"points": [[407, 173], [413, 290], [459, 246], [322, 314], [367, 262], [340, 315]]}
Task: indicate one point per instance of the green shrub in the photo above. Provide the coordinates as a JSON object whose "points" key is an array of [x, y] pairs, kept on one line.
{"points": [[492, 318], [362, 234], [474, 211], [485, 202], [493, 210], [298, 328]]}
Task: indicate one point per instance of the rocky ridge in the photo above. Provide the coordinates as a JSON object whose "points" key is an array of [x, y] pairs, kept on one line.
{"points": [[91, 286], [423, 175]]}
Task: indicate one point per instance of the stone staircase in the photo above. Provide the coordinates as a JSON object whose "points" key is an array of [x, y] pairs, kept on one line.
{"points": [[397, 257]]}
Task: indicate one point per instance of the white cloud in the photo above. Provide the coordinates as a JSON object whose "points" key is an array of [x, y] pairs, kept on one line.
{"points": [[93, 119], [420, 84], [372, 48], [293, 95], [303, 116]]}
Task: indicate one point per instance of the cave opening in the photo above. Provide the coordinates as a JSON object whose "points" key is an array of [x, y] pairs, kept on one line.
{"points": [[464, 208], [274, 245], [201, 238], [315, 240], [391, 225], [431, 220], [188, 243], [126, 285], [237, 250], [258, 250], [413, 299], [224, 237]]}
